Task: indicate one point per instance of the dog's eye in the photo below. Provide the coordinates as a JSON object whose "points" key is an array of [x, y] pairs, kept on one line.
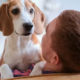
{"points": [[15, 11], [31, 11]]}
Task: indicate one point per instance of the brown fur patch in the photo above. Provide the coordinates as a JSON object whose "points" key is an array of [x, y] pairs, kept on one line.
{"points": [[35, 39], [6, 25]]}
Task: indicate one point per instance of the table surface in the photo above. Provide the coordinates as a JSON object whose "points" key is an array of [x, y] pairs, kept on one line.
{"points": [[51, 77]]}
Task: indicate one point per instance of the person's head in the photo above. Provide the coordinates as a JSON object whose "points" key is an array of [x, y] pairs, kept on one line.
{"points": [[61, 43]]}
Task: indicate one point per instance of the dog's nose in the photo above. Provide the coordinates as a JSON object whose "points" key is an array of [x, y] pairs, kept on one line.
{"points": [[28, 26]]}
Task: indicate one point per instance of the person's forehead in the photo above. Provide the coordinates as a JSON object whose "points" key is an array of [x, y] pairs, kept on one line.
{"points": [[51, 27], [53, 22]]}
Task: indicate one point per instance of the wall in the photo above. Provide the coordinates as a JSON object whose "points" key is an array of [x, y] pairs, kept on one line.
{"points": [[3, 1]]}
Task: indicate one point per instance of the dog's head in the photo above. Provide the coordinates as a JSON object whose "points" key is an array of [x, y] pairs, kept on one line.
{"points": [[24, 16]]}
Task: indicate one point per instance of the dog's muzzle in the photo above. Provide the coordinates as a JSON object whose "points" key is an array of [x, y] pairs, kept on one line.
{"points": [[27, 28]]}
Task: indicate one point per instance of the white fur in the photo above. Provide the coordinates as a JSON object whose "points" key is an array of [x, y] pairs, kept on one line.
{"points": [[20, 51], [6, 72], [38, 68]]}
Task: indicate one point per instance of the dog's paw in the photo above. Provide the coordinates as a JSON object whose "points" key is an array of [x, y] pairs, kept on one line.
{"points": [[38, 68], [36, 71], [6, 72]]}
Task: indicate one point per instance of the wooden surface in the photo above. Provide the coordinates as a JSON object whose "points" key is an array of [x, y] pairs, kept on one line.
{"points": [[51, 77]]}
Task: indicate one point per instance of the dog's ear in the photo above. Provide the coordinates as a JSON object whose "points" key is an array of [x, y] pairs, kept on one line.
{"points": [[6, 25], [38, 20]]}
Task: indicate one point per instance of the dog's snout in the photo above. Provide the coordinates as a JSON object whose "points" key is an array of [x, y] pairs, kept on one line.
{"points": [[28, 26]]}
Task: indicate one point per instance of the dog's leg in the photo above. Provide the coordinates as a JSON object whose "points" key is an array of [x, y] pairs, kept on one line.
{"points": [[6, 72], [38, 68]]}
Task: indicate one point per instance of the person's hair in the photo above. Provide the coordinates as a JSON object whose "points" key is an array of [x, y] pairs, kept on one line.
{"points": [[66, 40]]}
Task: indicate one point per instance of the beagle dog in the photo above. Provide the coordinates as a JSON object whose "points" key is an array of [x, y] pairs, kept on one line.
{"points": [[22, 47]]}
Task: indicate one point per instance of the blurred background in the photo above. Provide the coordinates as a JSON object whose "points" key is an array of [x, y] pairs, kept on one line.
{"points": [[51, 9]]}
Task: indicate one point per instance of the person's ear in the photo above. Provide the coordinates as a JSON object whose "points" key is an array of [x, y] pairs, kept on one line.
{"points": [[54, 59]]}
